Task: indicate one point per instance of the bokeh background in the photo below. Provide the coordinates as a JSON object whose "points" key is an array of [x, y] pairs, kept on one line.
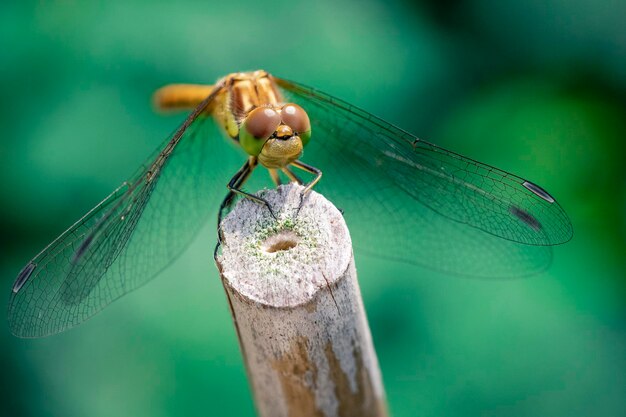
{"points": [[535, 87]]}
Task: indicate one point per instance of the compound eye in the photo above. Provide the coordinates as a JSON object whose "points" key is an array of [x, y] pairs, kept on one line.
{"points": [[296, 118], [257, 127], [262, 122]]}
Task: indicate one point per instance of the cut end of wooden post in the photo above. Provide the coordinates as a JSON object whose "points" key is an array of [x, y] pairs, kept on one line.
{"points": [[283, 262], [292, 288]]}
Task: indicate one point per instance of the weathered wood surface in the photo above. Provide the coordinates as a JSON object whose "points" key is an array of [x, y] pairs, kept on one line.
{"points": [[297, 307]]}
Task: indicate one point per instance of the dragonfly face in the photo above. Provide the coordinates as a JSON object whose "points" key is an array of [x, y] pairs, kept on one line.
{"points": [[251, 110], [275, 135], [403, 198]]}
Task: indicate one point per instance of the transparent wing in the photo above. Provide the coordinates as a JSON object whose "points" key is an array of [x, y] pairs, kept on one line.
{"points": [[129, 237], [407, 199]]}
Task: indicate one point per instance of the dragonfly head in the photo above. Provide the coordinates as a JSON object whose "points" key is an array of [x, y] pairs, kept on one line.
{"points": [[275, 135]]}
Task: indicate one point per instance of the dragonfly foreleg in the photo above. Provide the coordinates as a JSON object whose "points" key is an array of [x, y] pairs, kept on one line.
{"points": [[311, 169], [234, 188], [293, 177], [237, 181], [275, 176], [308, 168]]}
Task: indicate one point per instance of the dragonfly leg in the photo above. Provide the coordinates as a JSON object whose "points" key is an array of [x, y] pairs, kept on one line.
{"points": [[311, 169], [275, 176], [307, 187], [233, 186], [293, 177], [237, 181]]}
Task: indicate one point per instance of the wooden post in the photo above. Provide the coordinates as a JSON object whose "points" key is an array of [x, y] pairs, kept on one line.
{"points": [[296, 304]]}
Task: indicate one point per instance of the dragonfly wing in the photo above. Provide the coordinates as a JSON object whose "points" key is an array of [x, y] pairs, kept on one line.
{"points": [[128, 238], [414, 201]]}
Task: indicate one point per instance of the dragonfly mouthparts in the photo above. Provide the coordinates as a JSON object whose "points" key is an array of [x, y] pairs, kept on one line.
{"points": [[283, 132]]}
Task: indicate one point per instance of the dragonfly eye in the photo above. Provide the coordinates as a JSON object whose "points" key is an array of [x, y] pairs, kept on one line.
{"points": [[296, 118], [256, 128]]}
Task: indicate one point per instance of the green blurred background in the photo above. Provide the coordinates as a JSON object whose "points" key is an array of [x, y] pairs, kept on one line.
{"points": [[535, 87]]}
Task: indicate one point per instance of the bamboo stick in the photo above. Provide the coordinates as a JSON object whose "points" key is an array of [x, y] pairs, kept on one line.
{"points": [[296, 304]]}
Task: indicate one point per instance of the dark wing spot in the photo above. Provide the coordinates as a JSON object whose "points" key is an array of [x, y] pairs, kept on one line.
{"points": [[537, 190], [23, 276], [526, 217]]}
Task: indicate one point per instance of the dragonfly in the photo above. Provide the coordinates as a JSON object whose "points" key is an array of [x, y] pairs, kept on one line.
{"points": [[402, 197]]}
